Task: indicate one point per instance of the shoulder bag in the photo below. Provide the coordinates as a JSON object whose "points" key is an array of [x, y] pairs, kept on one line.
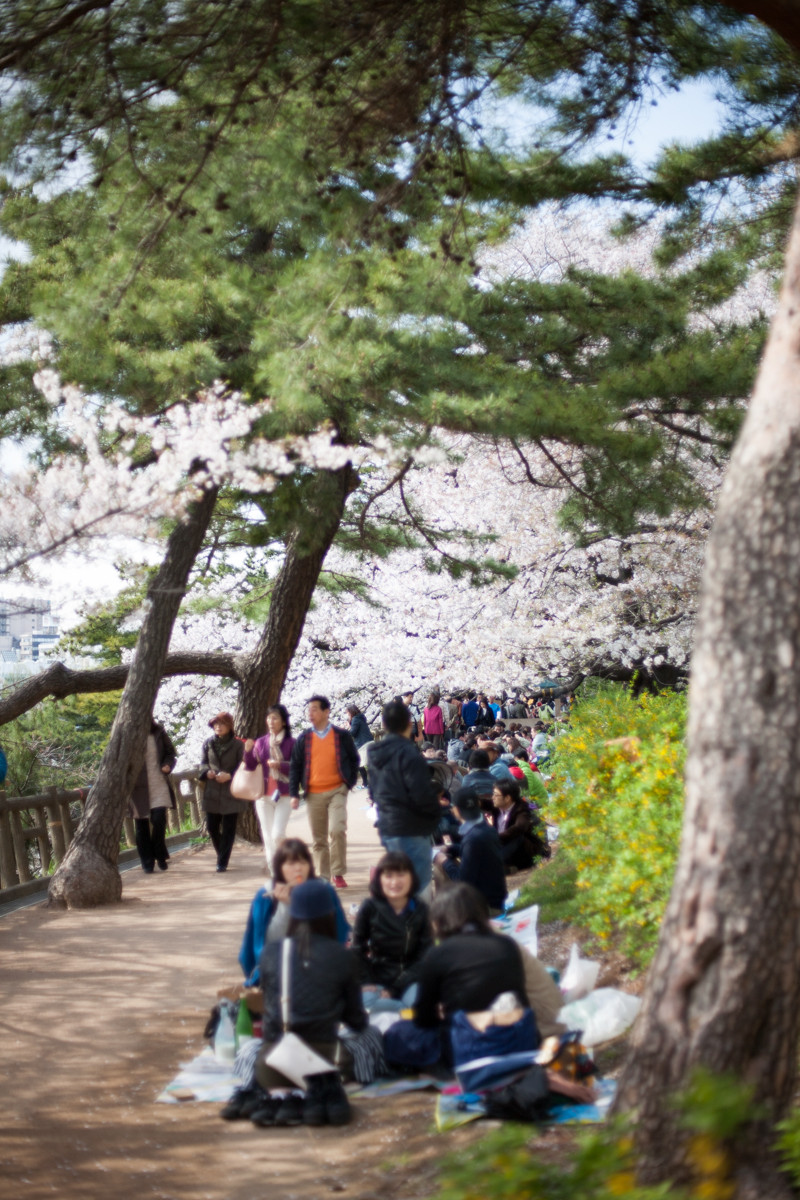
{"points": [[248, 785]]}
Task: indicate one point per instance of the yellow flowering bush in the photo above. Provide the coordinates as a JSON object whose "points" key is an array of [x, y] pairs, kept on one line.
{"points": [[617, 798]]}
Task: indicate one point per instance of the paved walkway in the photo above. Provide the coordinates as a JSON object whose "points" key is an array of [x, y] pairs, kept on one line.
{"points": [[98, 1008]]}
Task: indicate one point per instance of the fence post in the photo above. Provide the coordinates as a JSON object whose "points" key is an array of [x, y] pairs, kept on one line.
{"points": [[20, 846], [56, 825], [196, 802], [130, 832], [43, 838], [8, 867]]}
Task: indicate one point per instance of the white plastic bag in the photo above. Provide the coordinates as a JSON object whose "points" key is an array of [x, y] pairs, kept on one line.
{"points": [[603, 1015], [579, 977]]}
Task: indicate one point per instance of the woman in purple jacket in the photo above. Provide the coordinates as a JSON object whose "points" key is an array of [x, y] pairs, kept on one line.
{"points": [[273, 751]]}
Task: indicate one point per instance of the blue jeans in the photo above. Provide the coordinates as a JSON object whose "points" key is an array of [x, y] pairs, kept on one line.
{"points": [[418, 850], [375, 1003]]}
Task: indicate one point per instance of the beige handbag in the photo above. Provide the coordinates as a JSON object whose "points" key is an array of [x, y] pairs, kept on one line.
{"points": [[248, 785]]}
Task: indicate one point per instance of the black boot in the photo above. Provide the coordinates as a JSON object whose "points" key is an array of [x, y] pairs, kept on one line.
{"points": [[315, 1111], [290, 1111], [242, 1103], [337, 1106]]}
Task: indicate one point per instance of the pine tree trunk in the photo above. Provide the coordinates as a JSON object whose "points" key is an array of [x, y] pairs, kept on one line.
{"points": [[263, 673], [88, 875], [724, 989]]}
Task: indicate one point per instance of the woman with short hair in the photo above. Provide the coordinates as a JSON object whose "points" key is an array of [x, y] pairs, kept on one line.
{"points": [[222, 754]]}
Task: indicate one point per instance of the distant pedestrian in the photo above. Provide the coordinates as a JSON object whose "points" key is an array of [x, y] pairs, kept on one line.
{"points": [[274, 751], [325, 763], [151, 797], [361, 735], [433, 722], [222, 754]]}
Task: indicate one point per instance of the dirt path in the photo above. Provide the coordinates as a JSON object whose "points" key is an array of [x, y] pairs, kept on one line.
{"points": [[98, 1008]]}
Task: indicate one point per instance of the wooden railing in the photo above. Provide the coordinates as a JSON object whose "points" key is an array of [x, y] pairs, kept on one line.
{"points": [[50, 819]]}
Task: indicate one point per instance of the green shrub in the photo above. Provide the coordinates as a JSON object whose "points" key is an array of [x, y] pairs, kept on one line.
{"points": [[617, 798]]}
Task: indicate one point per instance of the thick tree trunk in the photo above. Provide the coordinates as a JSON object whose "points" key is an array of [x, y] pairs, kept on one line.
{"points": [[263, 673], [724, 989], [88, 875]]}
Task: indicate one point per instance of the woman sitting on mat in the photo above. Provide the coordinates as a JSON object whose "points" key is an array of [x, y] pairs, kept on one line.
{"points": [[324, 991], [391, 934], [461, 977], [268, 918]]}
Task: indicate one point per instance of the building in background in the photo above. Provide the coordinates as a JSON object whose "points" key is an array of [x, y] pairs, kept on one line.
{"points": [[28, 631]]}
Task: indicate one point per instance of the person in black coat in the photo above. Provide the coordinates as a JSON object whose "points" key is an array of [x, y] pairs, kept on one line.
{"points": [[514, 822], [151, 797], [392, 928], [324, 991], [480, 862], [464, 973], [360, 733], [222, 754], [401, 787]]}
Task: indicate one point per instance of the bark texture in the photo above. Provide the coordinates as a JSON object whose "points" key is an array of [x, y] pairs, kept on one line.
{"points": [[263, 672], [724, 989], [59, 681], [88, 875]]}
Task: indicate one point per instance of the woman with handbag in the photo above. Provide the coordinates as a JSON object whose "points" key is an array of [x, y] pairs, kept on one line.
{"points": [[310, 985], [273, 753], [222, 754]]}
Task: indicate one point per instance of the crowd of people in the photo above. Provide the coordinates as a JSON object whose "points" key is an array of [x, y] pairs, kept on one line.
{"points": [[457, 809]]}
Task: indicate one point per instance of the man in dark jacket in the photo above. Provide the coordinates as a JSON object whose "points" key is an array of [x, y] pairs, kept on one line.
{"points": [[479, 778], [401, 786], [481, 855], [325, 761], [361, 734]]}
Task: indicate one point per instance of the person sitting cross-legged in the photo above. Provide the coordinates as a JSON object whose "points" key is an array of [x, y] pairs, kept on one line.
{"points": [[480, 856], [391, 934], [324, 991], [520, 842]]}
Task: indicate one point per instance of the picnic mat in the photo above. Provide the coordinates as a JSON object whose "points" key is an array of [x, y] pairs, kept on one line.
{"points": [[204, 1078], [459, 1108]]}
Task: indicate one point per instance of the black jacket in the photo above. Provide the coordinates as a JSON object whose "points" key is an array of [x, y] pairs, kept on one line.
{"points": [[390, 945], [484, 718], [481, 864], [468, 971], [323, 990], [165, 753], [400, 784]]}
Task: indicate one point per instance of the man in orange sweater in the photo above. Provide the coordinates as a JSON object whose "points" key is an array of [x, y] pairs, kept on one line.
{"points": [[325, 761]]}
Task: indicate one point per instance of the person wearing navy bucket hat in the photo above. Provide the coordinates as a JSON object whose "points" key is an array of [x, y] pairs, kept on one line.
{"points": [[324, 991]]}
